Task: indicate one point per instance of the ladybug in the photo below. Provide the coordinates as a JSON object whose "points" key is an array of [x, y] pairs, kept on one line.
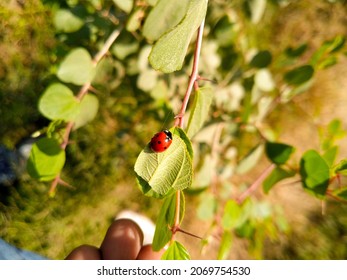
{"points": [[161, 141]]}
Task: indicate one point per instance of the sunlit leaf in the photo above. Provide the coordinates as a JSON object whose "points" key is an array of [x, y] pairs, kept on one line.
{"points": [[66, 21], [199, 110], [314, 172], [125, 5], [163, 17], [169, 51], [166, 171], [88, 109], [77, 67], [299, 75], [46, 159], [231, 215], [225, 245], [165, 221], [278, 153], [59, 103], [176, 251]]}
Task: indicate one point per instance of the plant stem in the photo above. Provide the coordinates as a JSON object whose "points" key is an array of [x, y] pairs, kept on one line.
{"points": [[180, 117], [256, 183], [83, 91], [193, 77]]}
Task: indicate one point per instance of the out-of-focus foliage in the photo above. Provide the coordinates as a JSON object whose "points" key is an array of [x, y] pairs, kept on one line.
{"points": [[234, 124]]}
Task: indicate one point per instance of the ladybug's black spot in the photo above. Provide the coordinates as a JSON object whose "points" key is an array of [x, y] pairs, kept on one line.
{"points": [[165, 148], [159, 142]]}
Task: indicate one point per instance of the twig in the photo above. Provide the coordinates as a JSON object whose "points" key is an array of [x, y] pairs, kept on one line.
{"points": [[83, 91], [256, 183], [193, 77], [180, 117]]}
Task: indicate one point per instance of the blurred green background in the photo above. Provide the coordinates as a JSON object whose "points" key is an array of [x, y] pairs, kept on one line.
{"points": [[102, 154]]}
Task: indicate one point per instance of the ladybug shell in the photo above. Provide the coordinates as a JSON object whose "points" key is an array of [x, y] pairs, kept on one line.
{"points": [[161, 141]]}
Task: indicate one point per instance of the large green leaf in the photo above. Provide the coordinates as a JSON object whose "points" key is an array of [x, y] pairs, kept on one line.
{"points": [[77, 67], [46, 159], [59, 103], [164, 16], [88, 109], [176, 251], [166, 171], [169, 51], [278, 153], [166, 220], [314, 173], [200, 109]]}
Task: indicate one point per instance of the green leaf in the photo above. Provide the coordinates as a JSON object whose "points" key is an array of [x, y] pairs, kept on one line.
{"points": [[166, 220], [134, 20], [330, 155], [200, 109], [277, 175], [46, 159], [77, 67], [163, 17], [88, 109], [296, 52], [166, 171], [278, 153], [314, 172], [125, 5], [231, 215], [299, 75], [261, 60], [225, 246], [180, 132], [58, 102], [341, 168], [169, 51], [207, 207], [341, 193], [66, 21], [176, 251], [250, 160]]}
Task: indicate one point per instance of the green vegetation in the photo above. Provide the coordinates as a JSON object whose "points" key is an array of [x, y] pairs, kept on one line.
{"points": [[266, 112]]}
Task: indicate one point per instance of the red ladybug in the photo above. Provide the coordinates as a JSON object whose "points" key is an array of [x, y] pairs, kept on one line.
{"points": [[161, 141]]}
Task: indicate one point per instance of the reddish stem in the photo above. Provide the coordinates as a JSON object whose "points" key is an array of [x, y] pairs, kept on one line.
{"points": [[193, 77], [256, 183], [180, 117]]}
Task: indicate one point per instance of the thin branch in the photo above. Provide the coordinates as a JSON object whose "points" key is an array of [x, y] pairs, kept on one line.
{"points": [[180, 117], [83, 91], [256, 183], [193, 77]]}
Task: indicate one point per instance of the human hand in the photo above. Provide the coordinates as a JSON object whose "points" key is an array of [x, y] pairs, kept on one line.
{"points": [[123, 241]]}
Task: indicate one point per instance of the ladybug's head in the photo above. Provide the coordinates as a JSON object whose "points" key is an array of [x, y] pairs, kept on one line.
{"points": [[168, 133]]}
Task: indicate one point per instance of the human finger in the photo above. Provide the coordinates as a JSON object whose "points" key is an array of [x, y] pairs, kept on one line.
{"points": [[123, 241], [84, 252]]}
